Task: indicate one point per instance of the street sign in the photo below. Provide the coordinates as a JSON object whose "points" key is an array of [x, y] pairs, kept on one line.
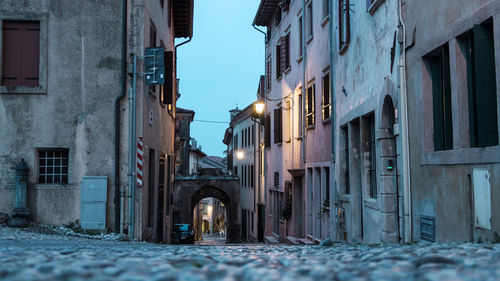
{"points": [[154, 62]]}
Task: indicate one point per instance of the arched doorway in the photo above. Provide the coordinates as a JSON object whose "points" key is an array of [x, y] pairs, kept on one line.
{"points": [[190, 190], [389, 172]]}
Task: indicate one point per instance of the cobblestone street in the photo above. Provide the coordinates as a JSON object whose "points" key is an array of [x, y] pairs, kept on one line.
{"points": [[27, 255]]}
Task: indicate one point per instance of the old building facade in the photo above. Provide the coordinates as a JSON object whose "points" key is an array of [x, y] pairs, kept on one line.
{"points": [[297, 128], [73, 75], [453, 103], [369, 193]]}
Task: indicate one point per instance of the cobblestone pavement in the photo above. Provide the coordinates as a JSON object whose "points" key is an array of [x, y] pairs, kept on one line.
{"points": [[33, 256]]}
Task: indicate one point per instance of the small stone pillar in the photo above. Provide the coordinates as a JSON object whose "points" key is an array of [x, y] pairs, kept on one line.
{"points": [[21, 212]]}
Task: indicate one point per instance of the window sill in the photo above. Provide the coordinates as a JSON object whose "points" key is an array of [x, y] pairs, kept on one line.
{"points": [[325, 21], [345, 197], [310, 127], [371, 203], [299, 138], [278, 143], [300, 59], [39, 90], [288, 69], [311, 37], [476, 155], [279, 78], [326, 121]]}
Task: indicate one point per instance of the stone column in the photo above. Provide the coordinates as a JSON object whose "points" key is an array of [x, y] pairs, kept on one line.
{"points": [[21, 212]]}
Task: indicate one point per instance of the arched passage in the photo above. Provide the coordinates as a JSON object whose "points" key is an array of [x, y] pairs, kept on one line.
{"points": [[188, 191]]}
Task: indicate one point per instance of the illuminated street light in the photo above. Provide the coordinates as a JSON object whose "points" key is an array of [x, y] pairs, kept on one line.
{"points": [[259, 107], [240, 154]]}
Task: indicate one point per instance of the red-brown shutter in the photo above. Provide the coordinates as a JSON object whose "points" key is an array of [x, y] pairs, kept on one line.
{"points": [[283, 54], [169, 78], [21, 44]]}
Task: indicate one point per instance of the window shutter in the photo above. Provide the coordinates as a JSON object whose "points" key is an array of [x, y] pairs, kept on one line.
{"points": [[448, 123], [486, 100], [276, 125], [278, 61], [283, 54], [308, 105], [313, 116], [437, 103], [471, 91], [267, 128], [169, 87], [21, 45]]}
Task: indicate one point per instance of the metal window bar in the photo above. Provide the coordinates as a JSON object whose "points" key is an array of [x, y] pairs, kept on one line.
{"points": [[53, 166]]}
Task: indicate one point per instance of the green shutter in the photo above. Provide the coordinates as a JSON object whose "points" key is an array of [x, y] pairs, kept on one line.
{"points": [[486, 100], [447, 118], [437, 102], [469, 46]]}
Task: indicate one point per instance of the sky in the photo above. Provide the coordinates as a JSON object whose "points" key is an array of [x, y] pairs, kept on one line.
{"points": [[220, 67]]}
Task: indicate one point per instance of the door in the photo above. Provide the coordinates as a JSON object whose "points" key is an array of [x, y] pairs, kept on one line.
{"points": [[297, 207]]}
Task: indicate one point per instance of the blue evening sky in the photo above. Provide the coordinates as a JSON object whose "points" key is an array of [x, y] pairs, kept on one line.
{"points": [[220, 67]]}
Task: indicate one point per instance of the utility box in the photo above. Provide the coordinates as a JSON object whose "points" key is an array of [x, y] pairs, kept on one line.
{"points": [[93, 202]]}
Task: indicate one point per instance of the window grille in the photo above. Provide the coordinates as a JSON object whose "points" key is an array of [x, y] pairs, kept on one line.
{"points": [[53, 166]]}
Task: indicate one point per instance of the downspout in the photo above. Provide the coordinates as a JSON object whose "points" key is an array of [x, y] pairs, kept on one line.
{"points": [[333, 126], [118, 197], [405, 135], [260, 193], [131, 156], [304, 85]]}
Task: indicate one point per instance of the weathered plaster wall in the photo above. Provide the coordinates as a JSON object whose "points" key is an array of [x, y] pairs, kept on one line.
{"points": [[81, 48], [441, 181], [364, 74]]}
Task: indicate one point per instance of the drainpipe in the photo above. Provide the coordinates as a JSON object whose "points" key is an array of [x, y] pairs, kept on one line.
{"points": [[131, 156], [333, 126], [405, 136], [304, 85], [118, 197]]}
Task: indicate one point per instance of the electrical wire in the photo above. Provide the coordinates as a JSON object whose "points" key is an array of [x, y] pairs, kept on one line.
{"points": [[211, 121]]}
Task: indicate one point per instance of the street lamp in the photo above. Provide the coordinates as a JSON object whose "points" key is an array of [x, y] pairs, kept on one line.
{"points": [[260, 106], [240, 154]]}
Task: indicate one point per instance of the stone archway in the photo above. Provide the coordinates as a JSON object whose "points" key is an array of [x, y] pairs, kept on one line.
{"points": [[188, 191], [388, 178]]}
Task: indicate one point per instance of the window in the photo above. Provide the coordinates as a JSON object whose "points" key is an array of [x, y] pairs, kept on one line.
{"points": [[276, 179], [300, 37], [21, 53], [53, 166], [326, 8], [482, 93], [300, 113], [327, 184], [285, 52], [268, 72], [235, 140], [439, 67], [277, 16], [278, 125], [309, 20], [310, 105], [326, 97], [267, 131], [344, 26], [278, 62], [268, 34], [162, 3]]}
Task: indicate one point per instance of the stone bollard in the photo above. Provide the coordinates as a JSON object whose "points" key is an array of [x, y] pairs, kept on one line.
{"points": [[21, 212]]}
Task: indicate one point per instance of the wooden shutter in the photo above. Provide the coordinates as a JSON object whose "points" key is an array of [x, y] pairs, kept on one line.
{"points": [[437, 102], [267, 128], [278, 61], [21, 53], [169, 87], [277, 126], [447, 118], [486, 100]]}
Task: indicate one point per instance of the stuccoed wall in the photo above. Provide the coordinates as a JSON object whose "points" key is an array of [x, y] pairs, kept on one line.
{"points": [[80, 69], [441, 180]]}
